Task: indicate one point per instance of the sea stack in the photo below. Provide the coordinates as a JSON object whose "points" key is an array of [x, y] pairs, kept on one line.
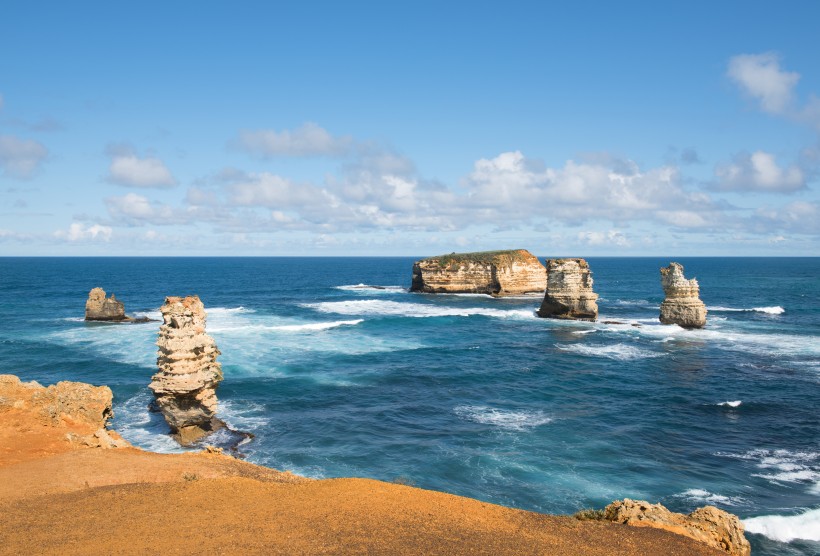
{"points": [[185, 386], [497, 273], [682, 305], [569, 292], [99, 307]]}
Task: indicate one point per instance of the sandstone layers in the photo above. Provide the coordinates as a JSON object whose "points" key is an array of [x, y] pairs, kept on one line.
{"points": [[569, 292], [185, 386], [99, 307], [498, 273], [708, 524], [682, 305]]}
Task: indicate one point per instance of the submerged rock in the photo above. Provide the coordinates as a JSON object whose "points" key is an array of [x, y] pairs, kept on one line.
{"points": [[99, 307], [498, 273], [569, 292], [682, 305], [185, 385], [708, 524]]}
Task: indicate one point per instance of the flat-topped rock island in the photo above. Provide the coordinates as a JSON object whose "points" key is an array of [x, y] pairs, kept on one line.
{"points": [[497, 273]]}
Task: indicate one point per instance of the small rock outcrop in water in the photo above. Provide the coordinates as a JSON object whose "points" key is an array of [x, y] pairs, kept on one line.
{"points": [[682, 305], [708, 524], [99, 307], [500, 273], [569, 292], [79, 410], [185, 386]]}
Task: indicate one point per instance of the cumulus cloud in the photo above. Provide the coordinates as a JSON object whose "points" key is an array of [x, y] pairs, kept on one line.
{"points": [[135, 209], [758, 171], [130, 170], [78, 232], [308, 140], [20, 158], [760, 76], [799, 217]]}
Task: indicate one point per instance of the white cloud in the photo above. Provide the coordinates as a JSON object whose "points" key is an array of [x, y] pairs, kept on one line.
{"points": [[130, 170], [307, 140], [798, 217], [760, 76], [609, 238], [78, 232], [758, 171], [20, 158], [133, 208]]}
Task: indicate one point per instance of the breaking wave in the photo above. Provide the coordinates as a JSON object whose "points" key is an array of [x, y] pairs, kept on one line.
{"points": [[735, 403], [395, 308], [501, 418], [315, 326], [371, 289], [776, 310], [701, 496], [786, 528], [619, 352]]}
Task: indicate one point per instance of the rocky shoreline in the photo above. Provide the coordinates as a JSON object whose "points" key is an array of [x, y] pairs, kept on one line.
{"points": [[64, 475]]}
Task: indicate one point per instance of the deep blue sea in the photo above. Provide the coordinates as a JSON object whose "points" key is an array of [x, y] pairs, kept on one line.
{"points": [[465, 393]]}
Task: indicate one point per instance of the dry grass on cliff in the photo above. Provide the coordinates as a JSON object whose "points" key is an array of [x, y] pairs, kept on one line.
{"points": [[483, 257]]}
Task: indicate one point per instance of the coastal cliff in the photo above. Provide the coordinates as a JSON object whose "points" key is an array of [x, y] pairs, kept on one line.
{"points": [[682, 305], [498, 273], [569, 292], [55, 494], [185, 385], [709, 525]]}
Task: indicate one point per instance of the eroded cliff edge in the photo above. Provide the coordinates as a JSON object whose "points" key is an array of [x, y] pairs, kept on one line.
{"points": [[569, 292], [55, 493], [498, 273], [682, 305]]}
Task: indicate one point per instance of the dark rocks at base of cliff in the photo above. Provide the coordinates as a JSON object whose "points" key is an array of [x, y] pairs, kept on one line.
{"points": [[569, 292]]}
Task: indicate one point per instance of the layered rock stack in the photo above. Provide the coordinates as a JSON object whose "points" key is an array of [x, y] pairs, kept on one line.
{"points": [[99, 307], [185, 386], [569, 292], [498, 273], [708, 524], [682, 305]]}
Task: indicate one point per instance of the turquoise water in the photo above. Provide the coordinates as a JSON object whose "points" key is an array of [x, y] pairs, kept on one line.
{"points": [[469, 394]]}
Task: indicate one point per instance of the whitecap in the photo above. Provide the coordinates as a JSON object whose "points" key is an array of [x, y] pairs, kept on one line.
{"points": [[372, 289], [502, 418], [776, 310], [227, 310], [242, 415], [395, 308], [619, 352], [783, 466], [735, 403], [786, 528], [701, 496], [315, 326]]}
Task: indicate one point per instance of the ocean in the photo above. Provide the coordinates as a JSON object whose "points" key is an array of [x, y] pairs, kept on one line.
{"points": [[339, 371]]}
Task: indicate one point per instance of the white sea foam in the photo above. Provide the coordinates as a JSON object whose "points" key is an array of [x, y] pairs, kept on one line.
{"points": [[583, 331], [776, 310], [243, 416], [786, 528], [502, 418], [619, 352], [141, 428], [701, 496], [735, 403], [395, 308], [371, 289], [784, 466], [315, 326], [227, 310]]}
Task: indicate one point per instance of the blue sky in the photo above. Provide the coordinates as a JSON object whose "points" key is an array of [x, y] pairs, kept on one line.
{"points": [[256, 128]]}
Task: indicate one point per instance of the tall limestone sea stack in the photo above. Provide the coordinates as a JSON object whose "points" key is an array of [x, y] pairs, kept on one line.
{"points": [[569, 292], [185, 386], [497, 273], [682, 305]]}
